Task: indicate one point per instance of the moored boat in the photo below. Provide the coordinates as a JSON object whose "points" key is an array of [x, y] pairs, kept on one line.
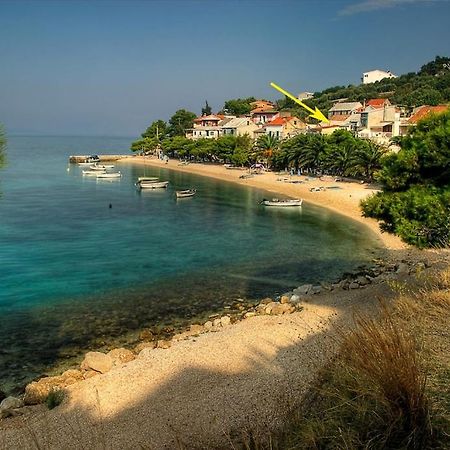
{"points": [[152, 185], [109, 175], [93, 173], [101, 167], [153, 179], [282, 203], [185, 193]]}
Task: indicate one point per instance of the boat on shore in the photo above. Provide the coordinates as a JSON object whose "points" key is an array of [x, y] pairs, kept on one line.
{"points": [[152, 184], [109, 175], [185, 193], [282, 203]]}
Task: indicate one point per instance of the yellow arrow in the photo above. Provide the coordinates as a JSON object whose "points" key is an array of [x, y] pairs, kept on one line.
{"points": [[316, 114]]}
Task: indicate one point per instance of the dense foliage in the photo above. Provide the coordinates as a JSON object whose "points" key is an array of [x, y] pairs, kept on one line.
{"points": [[415, 201], [238, 106], [429, 86]]}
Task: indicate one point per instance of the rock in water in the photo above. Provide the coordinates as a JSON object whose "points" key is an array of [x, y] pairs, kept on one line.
{"points": [[303, 290], [97, 361]]}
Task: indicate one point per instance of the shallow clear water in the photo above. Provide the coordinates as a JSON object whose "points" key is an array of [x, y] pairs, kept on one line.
{"points": [[75, 272]]}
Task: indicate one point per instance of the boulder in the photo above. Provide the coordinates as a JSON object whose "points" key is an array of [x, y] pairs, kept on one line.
{"points": [[146, 335], [196, 329], [9, 405], [362, 281], [142, 345], [353, 285], [225, 320], [303, 289], [249, 314], [162, 343], [208, 325], [315, 290], [97, 361], [295, 299], [266, 301], [121, 356], [402, 268], [37, 391], [284, 299], [277, 309], [217, 323]]}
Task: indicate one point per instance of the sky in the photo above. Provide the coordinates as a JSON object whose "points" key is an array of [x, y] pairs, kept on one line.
{"points": [[111, 67]]}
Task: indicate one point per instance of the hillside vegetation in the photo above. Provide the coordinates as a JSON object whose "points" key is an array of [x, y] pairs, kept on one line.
{"points": [[429, 86]]}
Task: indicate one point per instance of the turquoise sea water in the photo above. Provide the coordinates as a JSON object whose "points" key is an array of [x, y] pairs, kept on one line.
{"points": [[75, 272]]}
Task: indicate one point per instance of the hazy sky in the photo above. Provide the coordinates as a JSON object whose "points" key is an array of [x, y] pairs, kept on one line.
{"points": [[111, 67]]}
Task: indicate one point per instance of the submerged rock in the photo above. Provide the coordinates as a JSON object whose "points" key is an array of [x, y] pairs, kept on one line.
{"points": [[303, 289], [97, 361]]}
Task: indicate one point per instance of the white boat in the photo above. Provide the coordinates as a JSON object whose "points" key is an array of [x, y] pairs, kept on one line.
{"points": [[85, 164], [93, 173], [152, 185], [185, 193], [101, 167], [283, 203], [109, 175], [153, 179]]}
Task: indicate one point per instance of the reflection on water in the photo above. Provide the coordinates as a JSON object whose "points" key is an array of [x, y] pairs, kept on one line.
{"points": [[76, 272]]}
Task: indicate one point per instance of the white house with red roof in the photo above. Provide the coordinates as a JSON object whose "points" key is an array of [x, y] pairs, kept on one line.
{"points": [[285, 127], [420, 113], [208, 127], [262, 115]]}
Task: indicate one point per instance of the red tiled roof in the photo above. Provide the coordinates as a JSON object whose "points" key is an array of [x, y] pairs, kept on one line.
{"points": [[424, 111], [263, 111], [278, 121], [340, 117], [210, 117], [377, 102]]}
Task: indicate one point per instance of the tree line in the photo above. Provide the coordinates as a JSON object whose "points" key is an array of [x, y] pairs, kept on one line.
{"points": [[415, 200]]}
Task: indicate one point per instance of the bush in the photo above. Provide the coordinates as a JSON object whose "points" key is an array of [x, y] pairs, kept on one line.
{"points": [[55, 398]]}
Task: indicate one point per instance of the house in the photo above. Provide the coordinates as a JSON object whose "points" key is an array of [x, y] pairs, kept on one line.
{"points": [[419, 113], [239, 126], [342, 110], [285, 127], [376, 75], [264, 114], [262, 104], [208, 127], [377, 103], [305, 95], [379, 121]]}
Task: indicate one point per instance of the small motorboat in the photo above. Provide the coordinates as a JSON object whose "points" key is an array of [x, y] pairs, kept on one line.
{"points": [[85, 164], [92, 173], [102, 166], [283, 203], [152, 184], [185, 193], [109, 175], [152, 179]]}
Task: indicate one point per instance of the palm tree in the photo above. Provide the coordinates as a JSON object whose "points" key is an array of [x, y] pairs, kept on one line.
{"points": [[341, 160], [266, 145], [368, 158]]}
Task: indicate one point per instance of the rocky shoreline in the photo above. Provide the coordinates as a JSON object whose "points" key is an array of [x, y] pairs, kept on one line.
{"points": [[96, 363]]}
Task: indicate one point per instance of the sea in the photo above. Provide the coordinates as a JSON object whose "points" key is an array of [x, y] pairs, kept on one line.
{"points": [[85, 263]]}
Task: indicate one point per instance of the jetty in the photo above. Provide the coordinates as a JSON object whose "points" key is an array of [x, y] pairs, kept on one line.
{"points": [[102, 158]]}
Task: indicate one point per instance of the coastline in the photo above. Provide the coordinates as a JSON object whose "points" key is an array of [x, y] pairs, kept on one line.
{"points": [[344, 201]]}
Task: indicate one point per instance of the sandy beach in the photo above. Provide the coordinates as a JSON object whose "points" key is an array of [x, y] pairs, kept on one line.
{"points": [[342, 201]]}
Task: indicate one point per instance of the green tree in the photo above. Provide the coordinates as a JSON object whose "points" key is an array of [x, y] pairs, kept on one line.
{"points": [[178, 145], [265, 147], [238, 106], [2, 146], [180, 122], [206, 110], [415, 201], [145, 145], [368, 158], [157, 130]]}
